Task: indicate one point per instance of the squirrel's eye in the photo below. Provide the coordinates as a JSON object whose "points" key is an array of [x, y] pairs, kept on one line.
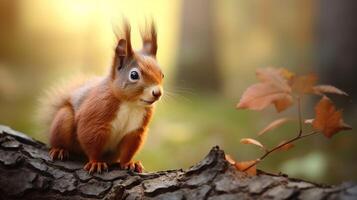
{"points": [[134, 75]]}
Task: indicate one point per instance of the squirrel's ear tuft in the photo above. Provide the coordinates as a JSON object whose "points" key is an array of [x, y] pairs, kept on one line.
{"points": [[120, 51], [123, 50], [124, 47], [149, 37], [127, 30]]}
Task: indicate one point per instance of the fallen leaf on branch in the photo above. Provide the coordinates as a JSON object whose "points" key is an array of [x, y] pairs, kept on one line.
{"points": [[328, 120], [273, 89], [252, 141], [230, 159], [273, 125], [322, 89], [241, 166]]}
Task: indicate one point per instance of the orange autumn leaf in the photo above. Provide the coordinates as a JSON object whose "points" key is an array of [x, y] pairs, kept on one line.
{"points": [[322, 89], [272, 89], [328, 120], [286, 146], [261, 95], [284, 103], [276, 123], [280, 88], [241, 166], [304, 84], [251, 141], [273, 75]]}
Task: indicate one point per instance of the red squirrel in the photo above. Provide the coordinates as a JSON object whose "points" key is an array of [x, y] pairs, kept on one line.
{"points": [[107, 118]]}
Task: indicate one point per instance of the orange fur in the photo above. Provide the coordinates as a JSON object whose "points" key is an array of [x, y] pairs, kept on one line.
{"points": [[62, 128], [152, 72], [93, 121], [106, 119]]}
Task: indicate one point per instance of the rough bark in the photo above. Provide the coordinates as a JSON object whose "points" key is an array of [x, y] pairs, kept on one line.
{"points": [[26, 172]]}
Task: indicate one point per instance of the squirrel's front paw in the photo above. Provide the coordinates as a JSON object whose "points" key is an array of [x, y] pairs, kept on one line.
{"points": [[94, 166], [58, 153], [134, 166]]}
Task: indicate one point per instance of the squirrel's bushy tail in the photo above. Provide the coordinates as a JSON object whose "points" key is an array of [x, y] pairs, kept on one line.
{"points": [[54, 98]]}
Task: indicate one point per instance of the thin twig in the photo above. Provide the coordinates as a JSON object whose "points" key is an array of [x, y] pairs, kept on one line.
{"points": [[299, 115], [300, 136]]}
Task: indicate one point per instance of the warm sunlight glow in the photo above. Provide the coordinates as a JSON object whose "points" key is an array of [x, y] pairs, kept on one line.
{"points": [[94, 18]]}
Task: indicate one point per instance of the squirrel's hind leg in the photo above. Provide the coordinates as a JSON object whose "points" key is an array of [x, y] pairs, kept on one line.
{"points": [[62, 133]]}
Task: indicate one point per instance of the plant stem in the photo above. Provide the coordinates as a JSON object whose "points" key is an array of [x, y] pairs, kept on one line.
{"points": [[299, 115], [300, 136]]}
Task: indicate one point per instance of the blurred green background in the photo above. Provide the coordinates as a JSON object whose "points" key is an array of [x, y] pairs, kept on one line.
{"points": [[209, 51]]}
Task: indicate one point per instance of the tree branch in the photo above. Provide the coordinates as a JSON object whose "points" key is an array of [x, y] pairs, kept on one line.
{"points": [[26, 172]]}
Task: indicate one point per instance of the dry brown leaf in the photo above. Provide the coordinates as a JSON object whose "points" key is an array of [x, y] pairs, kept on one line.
{"points": [[251, 141], [276, 123], [304, 84], [275, 77], [273, 89], [328, 120], [284, 103], [230, 159], [286, 146], [321, 89], [261, 95], [241, 166]]}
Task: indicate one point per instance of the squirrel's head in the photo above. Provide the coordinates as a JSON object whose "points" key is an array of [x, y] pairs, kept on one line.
{"points": [[136, 75]]}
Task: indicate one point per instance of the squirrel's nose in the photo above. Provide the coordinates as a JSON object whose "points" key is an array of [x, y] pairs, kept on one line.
{"points": [[156, 92]]}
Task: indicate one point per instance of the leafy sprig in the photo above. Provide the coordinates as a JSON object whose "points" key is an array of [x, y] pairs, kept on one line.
{"points": [[283, 89]]}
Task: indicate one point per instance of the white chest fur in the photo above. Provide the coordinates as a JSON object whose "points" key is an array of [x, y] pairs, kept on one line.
{"points": [[129, 118]]}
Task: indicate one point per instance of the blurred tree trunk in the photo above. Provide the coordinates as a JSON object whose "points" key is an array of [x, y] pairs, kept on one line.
{"points": [[337, 47], [8, 26], [197, 64], [337, 31]]}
